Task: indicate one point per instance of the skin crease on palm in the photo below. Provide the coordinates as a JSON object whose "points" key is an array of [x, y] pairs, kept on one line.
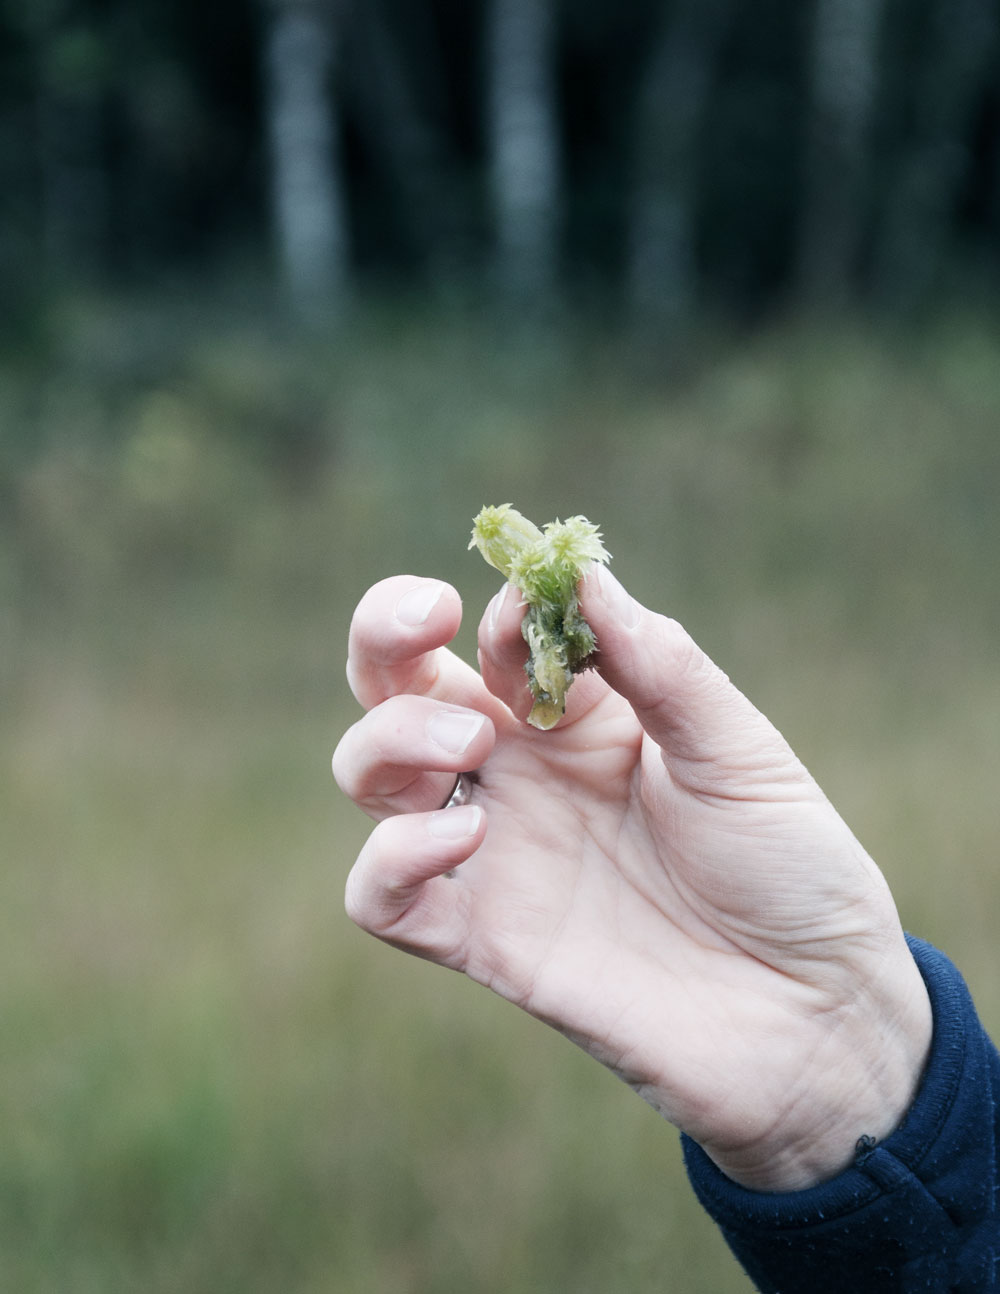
{"points": [[658, 877]]}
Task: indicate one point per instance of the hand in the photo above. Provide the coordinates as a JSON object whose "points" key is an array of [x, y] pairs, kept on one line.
{"points": [[658, 877]]}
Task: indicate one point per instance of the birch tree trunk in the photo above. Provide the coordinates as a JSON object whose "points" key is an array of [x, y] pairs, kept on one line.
{"points": [[524, 147], [958, 59], [307, 198], [844, 78], [675, 93]]}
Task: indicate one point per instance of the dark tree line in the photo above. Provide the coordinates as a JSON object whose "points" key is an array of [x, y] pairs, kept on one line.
{"points": [[661, 154]]}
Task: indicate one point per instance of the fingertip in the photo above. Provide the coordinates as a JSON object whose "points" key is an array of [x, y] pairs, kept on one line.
{"points": [[458, 824], [604, 598], [426, 612], [501, 621], [403, 612], [414, 607], [395, 632], [638, 650], [615, 617], [682, 699], [503, 652]]}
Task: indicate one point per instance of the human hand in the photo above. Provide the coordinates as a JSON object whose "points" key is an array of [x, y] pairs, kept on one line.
{"points": [[658, 877]]}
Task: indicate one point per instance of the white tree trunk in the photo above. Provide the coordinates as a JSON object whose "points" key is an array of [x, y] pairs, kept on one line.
{"points": [[308, 204], [524, 146], [844, 77]]}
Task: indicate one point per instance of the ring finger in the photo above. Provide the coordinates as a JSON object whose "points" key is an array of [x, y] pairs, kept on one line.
{"points": [[403, 756]]}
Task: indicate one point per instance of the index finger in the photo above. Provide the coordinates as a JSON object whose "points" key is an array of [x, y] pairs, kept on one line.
{"points": [[397, 644]]}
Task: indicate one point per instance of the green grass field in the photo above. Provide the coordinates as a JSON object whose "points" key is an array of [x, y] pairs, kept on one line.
{"points": [[210, 1081]]}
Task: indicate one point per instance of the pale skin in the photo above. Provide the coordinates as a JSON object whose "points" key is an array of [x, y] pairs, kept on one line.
{"points": [[658, 877]]}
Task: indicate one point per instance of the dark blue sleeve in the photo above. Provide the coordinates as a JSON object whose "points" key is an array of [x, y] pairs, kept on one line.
{"points": [[917, 1212]]}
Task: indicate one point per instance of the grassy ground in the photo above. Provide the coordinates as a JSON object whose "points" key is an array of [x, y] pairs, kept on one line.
{"points": [[209, 1080]]}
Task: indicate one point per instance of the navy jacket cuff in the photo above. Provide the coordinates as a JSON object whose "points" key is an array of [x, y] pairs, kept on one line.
{"points": [[915, 1212]]}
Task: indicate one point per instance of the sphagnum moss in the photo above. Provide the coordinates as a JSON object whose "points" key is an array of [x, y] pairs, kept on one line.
{"points": [[546, 565]]}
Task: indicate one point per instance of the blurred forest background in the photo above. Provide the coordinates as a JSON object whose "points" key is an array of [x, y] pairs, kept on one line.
{"points": [[290, 290]]}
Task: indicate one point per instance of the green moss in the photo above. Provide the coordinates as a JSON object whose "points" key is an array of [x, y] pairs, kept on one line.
{"points": [[546, 565]]}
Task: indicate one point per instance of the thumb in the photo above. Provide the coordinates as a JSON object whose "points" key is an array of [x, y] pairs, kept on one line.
{"points": [[680, 697]]}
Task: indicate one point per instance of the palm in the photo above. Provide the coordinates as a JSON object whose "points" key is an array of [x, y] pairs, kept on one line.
{"points": [[602, 870]]}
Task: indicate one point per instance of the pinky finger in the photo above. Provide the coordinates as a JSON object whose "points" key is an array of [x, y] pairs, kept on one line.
{"points": [[399, 890]]}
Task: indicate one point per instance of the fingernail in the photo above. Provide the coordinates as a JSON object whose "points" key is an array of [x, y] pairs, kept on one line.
{"points": [[618, 599], [414, 607], [495, 607], [453, 731], [453, 824]]}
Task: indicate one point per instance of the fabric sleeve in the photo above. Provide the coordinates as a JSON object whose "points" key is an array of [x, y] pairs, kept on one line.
{"points": [[916, 1212]]}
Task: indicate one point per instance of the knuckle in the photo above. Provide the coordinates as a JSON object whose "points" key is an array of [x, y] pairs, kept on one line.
{"points": [[342, 765], [343, 777], [355, 681], [354, 901], [363, 881]]}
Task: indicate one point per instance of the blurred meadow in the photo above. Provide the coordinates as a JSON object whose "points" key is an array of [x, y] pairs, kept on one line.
{"points": [[210, 1079], [243, 375]]}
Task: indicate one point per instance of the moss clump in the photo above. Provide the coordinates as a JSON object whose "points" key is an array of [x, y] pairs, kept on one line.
{"points": [[546, 565]]}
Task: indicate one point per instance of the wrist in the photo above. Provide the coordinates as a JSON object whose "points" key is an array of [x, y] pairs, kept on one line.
{"points": [[855, 1093]]}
